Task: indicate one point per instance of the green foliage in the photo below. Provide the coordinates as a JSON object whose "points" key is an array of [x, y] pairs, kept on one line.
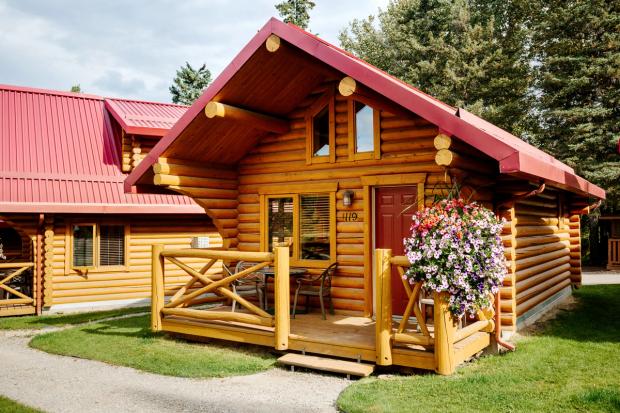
{"points": [[130, 342], [469, 54], [58, 320], [569, 366], [577, 46], [189, 84], [296, 12], [76, 88]]}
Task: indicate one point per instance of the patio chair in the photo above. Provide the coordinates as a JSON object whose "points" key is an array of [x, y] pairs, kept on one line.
{"points": [[250, 285], [309, 288]]}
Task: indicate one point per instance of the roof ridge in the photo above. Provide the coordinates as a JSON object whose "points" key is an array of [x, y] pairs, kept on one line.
{"points": [[43, 91], [149, 102]]}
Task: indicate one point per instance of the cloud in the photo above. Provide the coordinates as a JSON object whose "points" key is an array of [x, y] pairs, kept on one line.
{"points": [[133, 48]]}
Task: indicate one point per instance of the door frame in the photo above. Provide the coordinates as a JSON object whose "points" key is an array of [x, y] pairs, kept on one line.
{"points": [[369, 184]]}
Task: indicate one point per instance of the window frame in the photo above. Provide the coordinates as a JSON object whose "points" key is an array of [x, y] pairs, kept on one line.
{"points": [[96, 267], [327, 99], [296, 195], [352, 131]]}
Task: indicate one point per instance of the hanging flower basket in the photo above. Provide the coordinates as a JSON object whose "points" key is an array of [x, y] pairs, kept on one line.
{"points": [[455, 247]]}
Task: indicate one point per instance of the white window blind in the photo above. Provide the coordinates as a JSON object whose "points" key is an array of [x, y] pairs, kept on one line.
{"points": [[314, 228], [83, 245], [111, 245]]}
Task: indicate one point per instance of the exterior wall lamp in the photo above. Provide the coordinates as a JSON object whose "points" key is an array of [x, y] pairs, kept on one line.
{"points": [[347, 199]]}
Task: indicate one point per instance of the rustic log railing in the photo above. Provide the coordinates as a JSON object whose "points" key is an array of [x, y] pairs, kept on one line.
{"points": [[19, 268], [194, 292], [613, 259], [446, 332]]}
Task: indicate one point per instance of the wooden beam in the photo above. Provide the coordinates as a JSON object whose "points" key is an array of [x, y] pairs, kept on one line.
{"points": [[348, 87], [253, 119], [272, 43]]}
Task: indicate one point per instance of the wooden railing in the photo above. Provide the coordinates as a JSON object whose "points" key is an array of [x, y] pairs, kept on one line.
{"points": [[19, 268], [446, 331], [194, 292], [613, 259]]}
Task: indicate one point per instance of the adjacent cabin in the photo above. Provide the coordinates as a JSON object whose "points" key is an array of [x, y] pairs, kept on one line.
{"points": [[71, 236], [304, 156]]}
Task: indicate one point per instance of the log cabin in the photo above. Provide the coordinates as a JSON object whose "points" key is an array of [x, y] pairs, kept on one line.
{"points": [[303, 156], [71, 236]]}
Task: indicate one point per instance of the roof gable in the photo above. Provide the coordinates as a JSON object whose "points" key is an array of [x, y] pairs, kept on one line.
{"points": [[512, 154]]}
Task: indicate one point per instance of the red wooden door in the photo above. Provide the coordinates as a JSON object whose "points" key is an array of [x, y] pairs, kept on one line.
{"points": [[394, 207]]}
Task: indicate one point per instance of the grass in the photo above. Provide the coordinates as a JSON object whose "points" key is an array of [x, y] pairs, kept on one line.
{"points": [[8, 405], [570, 365], [59, 320], [129, 342]]}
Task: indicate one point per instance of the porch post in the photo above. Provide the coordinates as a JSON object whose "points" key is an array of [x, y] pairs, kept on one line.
{"points": [[383, 297], [282, 298], [157, 286], [445, 328]]}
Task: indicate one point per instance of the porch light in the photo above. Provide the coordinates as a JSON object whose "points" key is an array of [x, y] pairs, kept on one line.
{"points": [[347, 199]]}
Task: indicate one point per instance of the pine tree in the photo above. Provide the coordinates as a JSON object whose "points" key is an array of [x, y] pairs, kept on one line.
{"points": [[451, 50], [189, 83], [296, 12], [76, 88], [577, 44]]}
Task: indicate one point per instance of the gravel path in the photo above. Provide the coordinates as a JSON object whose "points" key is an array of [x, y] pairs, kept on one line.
{"points": [[66, 384]]}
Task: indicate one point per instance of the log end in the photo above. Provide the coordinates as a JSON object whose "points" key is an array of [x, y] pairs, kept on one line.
{"points": [[214, 109], [272, 43], [442, 141], [444, 157], [347, 86]]}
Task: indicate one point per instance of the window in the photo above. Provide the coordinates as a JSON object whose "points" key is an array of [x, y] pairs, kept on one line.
{"points": [[314, 228], [111, 245], [320, 133], [96, 246], [321, 130], [305, 223], [84, 245], [363, 133], [280, 222]]}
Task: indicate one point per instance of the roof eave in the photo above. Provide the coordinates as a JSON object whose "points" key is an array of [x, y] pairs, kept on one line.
{"points": [[40, 207]]}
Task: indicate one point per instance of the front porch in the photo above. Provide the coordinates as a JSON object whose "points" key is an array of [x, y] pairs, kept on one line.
{"points": [[431, 343]]}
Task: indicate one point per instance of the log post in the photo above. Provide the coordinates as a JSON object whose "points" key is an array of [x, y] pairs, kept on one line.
{"points": [[157, 286], [445, 328], [383, 297], [282, 298]]}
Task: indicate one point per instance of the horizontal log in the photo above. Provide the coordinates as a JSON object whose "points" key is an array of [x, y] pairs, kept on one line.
{"points": [[540, 258], [542, 286], [523, 252], [220, 315], [413, 338], [540, 239], [205, 192], [526, 305], [397, 135], [524, 231], [528, 272], [227, 255], [251, 118], [471, 329]]}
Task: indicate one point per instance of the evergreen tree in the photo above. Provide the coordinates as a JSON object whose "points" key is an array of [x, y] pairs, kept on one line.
{"points": [[76, 88], [189, 83], [577, 45], [453, 51], [296, 12]]}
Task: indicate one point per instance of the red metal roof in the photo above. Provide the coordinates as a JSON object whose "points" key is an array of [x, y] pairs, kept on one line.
{"points": [[144, 118], [513, 155], [58, 153]]}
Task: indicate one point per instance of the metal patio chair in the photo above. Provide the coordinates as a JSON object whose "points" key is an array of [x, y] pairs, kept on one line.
{"points": [[250, 285], [309, 288]]}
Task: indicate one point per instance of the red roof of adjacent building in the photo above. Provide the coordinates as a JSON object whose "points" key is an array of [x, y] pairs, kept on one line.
{"points": [[60, 153], [144, 118], [513, 155]]}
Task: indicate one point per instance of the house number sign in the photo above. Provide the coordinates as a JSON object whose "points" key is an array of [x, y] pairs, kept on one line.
{"points": [[350, 217]]}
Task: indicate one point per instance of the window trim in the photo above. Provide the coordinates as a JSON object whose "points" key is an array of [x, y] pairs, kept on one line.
{"points": [[264, 225], [352, 131], [327, 99], [96, 268]]}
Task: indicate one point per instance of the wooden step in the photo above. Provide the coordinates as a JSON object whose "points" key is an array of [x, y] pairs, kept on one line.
{"points": [[327, 364]]}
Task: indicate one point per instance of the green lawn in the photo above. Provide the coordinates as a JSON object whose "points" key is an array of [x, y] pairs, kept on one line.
{"points": [[58, 320], [129, 342], [8, 405], [573, 364]]}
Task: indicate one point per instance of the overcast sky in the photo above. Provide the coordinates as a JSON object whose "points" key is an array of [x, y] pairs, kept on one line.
{"points": [[132, 48]]}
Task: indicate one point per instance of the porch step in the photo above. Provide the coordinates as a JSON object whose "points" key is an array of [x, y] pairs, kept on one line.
{"points": [[328, 364]]}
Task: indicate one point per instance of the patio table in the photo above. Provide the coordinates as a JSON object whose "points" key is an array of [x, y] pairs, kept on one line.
{"points": [[270, 272]]}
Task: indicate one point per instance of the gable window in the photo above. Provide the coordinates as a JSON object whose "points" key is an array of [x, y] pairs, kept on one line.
{"points": [[97, 246], [363, 131], [303, 222], [321, 130], [320, 133]]}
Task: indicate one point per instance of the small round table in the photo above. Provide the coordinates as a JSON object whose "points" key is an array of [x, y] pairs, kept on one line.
{"points": [[270, 272]]}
